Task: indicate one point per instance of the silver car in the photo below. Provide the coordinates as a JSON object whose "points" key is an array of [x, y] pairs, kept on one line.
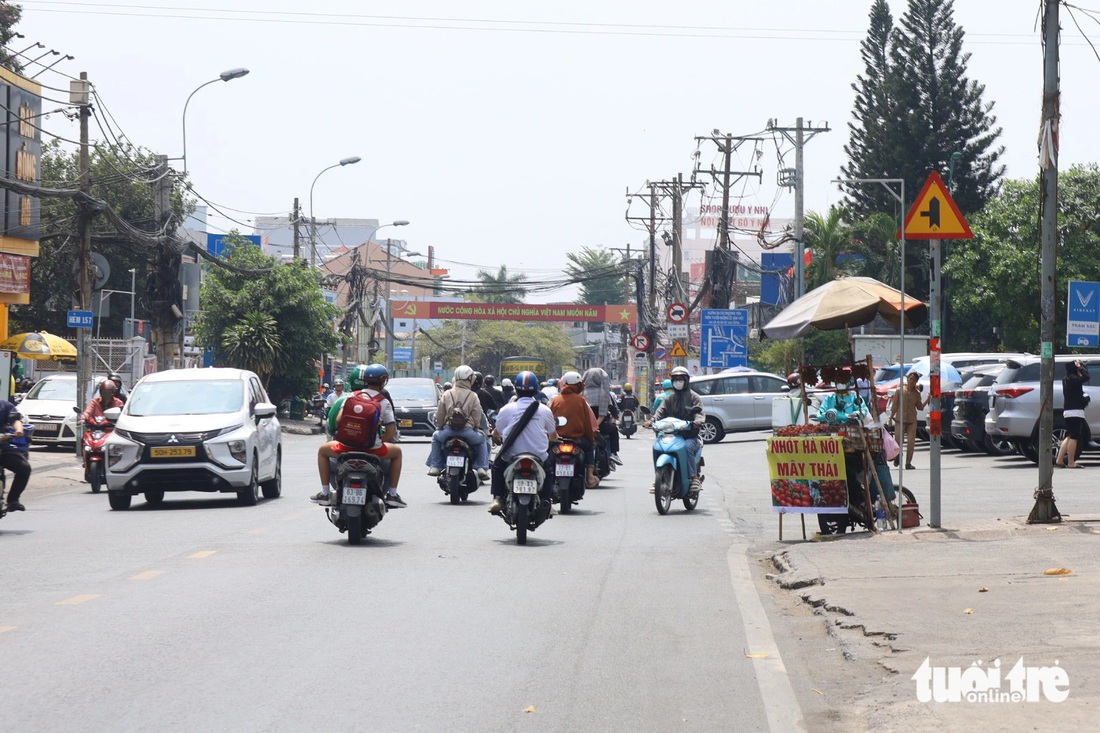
{"points": [[737, 401]]}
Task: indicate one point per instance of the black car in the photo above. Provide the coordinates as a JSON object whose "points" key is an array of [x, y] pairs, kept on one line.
{"points": [[968, 416], [415, 400]]}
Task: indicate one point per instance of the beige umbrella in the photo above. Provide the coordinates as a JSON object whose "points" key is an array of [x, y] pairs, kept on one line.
{"points": [[843, 303], [38, 345]]}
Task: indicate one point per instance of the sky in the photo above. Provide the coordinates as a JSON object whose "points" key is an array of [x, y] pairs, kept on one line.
{"points": [[509, 133]]}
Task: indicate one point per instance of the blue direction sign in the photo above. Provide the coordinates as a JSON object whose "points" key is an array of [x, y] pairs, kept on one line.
{"points": [[403, 354], [723, 338], [79, 319], [1083, 315]]}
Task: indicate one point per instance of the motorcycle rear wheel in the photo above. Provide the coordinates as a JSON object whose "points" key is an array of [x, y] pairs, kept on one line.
{"points": [[521, 523], [355, 529], [664, 485]]}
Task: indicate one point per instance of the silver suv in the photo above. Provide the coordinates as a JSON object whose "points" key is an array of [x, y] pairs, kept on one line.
{"points": [[735, 401], [1014, 404]]}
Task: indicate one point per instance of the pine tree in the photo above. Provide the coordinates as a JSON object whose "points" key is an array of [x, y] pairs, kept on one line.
{"points": [[917, 108]]}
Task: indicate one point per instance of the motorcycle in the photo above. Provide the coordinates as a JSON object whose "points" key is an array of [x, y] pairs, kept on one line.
{"points": [[604, 466], [671, 463], [316, 407], [569, 474], [627, 425], [358, 495], [96, 433], [459, 480], [523, 509]]}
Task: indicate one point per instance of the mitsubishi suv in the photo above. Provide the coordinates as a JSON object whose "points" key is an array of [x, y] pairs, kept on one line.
{"points": [[1014, 404], [195, 430]]}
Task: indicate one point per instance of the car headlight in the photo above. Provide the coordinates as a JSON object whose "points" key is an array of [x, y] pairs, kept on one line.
{"points": [[238, 449]]}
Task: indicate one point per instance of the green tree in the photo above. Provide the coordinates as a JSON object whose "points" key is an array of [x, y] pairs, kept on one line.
{"points": [[237, 308], [500, 287], [916, 108], [828, 236], [597, 272], [119, 176], [10, 15], [996, 276], [487, 342]]}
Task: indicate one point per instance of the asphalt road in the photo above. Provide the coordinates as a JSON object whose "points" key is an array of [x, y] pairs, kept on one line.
{"points": [[202, 615]]}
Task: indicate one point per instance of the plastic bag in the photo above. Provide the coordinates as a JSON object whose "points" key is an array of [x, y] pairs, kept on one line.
{"points": [[890, 447]]}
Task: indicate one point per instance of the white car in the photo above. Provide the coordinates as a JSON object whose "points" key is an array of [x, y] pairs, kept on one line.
{"points": [[49, 407], [195, 430]]}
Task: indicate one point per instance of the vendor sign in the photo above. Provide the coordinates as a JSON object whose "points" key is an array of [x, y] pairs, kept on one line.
{"points": [[807, 474]]}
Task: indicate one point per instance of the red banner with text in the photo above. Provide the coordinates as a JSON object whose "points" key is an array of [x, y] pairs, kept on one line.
{"points": [[515, 311]]}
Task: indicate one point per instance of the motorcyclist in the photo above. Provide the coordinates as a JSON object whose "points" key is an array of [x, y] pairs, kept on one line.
{"points": [[535, 438], [14, 457], [579, 421], [120, 391], [507, 390], [498, 394], [684, 405], [628, 401], [666, 385], [597, 390], [462, 398], [370, 381], [550, 388], [106, 398], [488, 399]]}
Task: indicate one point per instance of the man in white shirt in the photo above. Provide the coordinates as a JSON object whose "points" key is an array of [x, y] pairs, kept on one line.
{"points": [[535, 438]]}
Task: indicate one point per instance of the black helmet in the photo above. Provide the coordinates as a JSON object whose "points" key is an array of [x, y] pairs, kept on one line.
{"points": [[116, 378], [490, 380], [478, 379]]}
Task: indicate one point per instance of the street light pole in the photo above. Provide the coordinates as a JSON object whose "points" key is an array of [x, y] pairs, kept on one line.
{"points": [[228, 75], [312, 221]]}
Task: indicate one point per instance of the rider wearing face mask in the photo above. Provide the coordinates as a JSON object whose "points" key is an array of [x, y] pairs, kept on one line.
{"points": [[685, 405]]}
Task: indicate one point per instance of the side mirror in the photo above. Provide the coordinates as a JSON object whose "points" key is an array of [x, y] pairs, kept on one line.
{"points": [[112, 414], [264, 409], [562, 420], [76, 409]]}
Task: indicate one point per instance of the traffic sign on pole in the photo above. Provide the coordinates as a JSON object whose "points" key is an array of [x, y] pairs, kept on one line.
{"points": [[80, 319], [677, 313], [723, 338], [641, 342], [678, 351], [935, 215]]}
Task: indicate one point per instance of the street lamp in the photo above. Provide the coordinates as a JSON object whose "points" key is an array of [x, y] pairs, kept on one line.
{"points": [[389, 304], [228, 75], [313, 222]]}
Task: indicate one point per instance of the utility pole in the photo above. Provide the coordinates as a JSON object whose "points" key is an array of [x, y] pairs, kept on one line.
{"points": [[165, 271], [646, 316], [294, 218], [797, 180], [84, 366], [1045, 511]]}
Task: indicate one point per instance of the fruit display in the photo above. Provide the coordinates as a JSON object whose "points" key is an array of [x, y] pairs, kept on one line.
{"points": [[795, 493]]}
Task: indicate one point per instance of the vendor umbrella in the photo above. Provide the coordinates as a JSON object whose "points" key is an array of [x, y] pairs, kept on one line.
{"points": [[38, 345], [844, 303]]}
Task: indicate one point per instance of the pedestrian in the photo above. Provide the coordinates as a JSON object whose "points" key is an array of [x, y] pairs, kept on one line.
{"points": [[908, 422], [1074, 402]]}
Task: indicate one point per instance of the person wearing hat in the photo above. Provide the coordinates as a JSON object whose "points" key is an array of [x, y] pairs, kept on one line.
{"points": [[908, 422], [580, 421]]}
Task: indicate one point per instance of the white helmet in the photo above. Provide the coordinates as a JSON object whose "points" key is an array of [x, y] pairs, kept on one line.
{"points": [[464, 372], [571, 378]]}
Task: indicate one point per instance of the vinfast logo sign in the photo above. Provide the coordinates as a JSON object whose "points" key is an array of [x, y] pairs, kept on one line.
{"points": [[1083, 315], [989, 683]]}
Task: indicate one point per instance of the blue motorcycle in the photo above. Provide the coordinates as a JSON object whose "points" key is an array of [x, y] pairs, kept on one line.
{"points": [[671, 463]]}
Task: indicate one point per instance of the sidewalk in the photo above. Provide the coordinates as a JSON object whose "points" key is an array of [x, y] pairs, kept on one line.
{"points": [[959, 596]]}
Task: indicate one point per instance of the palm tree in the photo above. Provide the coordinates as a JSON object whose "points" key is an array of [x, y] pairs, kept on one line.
{"points": [[252, 343], [602, 283], [501, 287], [828, 236]]}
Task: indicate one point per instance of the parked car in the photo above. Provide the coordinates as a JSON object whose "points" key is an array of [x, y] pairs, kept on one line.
{"points": [[195, 430], [952, 366], [969, 411], [415, 400], [49, 407], [737, 401], [1014, 405]]}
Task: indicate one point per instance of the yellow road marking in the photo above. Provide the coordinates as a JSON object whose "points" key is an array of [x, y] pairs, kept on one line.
{"points": [[201, 554], [6, 628], [78, 599], [147, 575], [258, 530], [291, 517]]}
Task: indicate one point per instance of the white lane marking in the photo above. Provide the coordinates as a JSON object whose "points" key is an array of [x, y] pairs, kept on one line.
{"points": [[780, 703]]}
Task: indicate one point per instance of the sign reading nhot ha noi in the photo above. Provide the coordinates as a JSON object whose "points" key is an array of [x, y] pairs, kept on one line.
{"points": [[432, 309], [807, 474]]}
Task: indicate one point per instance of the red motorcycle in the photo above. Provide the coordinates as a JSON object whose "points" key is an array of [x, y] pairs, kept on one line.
{"points": [[95, 435]]}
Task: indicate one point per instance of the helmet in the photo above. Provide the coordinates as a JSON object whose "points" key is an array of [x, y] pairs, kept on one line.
{"points": [[477, 381], [116, 378], [463, 372], [526, 384], [356, 378], [447, 386], [628, 387], [571, 378], [490, 380], [680, 374], [376, 375], [108, 385], [338, 383], [506, 382], [666, 384], [325, 385], [552, 382]]}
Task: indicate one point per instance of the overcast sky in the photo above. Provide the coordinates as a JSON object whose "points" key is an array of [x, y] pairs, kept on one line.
{"points": [[507, 132]]}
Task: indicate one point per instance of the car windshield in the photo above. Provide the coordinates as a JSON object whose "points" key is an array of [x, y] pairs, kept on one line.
{"points": [[186, 397], [54, 389], [412, 391]]}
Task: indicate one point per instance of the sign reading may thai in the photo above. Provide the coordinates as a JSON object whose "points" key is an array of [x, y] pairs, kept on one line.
{"points": [[515, 311]]}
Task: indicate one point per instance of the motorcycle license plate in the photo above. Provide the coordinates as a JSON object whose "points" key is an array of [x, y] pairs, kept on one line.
{"points": [[355, 496], [525, 486], [456, 461], [563, 469], [174, 452]]}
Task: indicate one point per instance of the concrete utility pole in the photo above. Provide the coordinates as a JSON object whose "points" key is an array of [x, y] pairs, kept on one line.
{"points": [[84, 365], [1045, 510], [647, 314], [797, 180], [165, 273], [295, 220]]}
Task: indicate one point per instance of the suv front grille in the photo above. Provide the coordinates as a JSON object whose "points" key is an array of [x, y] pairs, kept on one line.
{"points": [[179, 438]]}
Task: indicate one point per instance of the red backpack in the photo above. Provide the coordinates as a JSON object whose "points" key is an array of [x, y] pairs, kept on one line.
{"points": [[357, 426]]}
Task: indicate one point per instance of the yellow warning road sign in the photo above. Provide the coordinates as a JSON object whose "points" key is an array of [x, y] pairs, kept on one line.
{"points": [[935, 215], [677, 351]]}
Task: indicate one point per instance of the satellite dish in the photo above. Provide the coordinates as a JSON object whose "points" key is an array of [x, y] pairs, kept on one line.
{"points": [[101, 270]]}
